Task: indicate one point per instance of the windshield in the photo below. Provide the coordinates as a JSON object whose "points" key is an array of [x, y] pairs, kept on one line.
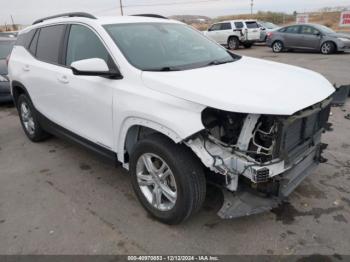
{"points": [[325, 29], [5, 48], [269, 25], [166, 46], [252, 24]]}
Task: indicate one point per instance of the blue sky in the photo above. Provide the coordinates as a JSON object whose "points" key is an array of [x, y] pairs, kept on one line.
{"points": [[25, 11]]}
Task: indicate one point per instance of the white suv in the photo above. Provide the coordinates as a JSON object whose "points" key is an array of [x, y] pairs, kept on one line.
{"points": [[158, 96], [235, 33]]}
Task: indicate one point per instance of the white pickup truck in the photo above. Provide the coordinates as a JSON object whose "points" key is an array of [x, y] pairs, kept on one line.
{"points": [[235, 33]]}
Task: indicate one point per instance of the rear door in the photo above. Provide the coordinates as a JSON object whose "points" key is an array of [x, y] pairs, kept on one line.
{"points": [[310, 37], [86, 102], [224, 33], [252, 31], [40, 72], [292, 36]]}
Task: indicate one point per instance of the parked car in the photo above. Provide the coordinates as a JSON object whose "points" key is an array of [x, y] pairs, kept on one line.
{"points": [[157, 96], [235, 33], [308, 37], [9, 34], [266, 28], [6, 45]]}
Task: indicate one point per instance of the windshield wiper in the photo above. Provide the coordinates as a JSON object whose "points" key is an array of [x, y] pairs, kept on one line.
{"points": [[164, 69], [218, 62]]}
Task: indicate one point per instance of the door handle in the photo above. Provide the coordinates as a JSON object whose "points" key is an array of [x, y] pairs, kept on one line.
{"points": [[26, 68], [63, 79]]}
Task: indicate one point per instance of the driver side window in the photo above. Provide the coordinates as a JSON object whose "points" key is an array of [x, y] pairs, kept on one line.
{"points": [[84, 44]]}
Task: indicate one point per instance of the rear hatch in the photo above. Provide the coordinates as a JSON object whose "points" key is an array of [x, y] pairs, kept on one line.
{"points": [[252, 31]]}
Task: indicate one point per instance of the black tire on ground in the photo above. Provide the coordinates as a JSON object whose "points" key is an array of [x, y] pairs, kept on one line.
{"points": [[328, 48], [233, 43], [277, 46], [187, 171], [36, 134], [248, 45]]}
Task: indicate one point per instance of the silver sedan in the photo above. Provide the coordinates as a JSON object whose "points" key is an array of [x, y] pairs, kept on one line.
{"points": [[308, 37]]}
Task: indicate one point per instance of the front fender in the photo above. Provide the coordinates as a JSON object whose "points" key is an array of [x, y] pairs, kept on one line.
{"points": [[174, 117]]}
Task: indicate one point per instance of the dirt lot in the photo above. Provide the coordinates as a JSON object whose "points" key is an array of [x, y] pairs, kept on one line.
{"points": [[56, 198]]}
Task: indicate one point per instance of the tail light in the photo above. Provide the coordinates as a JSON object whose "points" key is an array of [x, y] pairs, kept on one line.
{"points": [[269, 34]]}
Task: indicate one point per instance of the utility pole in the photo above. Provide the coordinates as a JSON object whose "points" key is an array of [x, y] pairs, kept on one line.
{"points": [[121, 7], [13, 23], [251, 7]]}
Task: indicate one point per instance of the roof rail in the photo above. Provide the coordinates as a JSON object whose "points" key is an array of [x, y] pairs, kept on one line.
{"points": [[151, 15], [73, 14]]}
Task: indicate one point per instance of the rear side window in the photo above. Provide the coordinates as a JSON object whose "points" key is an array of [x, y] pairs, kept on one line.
{"points": [[33, 43], [239, 25], [49, 43], [24, 39], [84, 44], [251, 25], [292, 30], [226, 26]]}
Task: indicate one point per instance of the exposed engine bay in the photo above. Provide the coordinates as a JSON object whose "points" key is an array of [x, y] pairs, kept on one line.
{"points": [[268, 154]]}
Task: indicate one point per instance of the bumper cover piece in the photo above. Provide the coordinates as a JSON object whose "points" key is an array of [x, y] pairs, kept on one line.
{"points": [[245, 203]]}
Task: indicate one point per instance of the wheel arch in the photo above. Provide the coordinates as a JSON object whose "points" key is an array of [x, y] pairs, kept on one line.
{"points": [[17, 88], [134, 129], [232, 36], [330, 41]]}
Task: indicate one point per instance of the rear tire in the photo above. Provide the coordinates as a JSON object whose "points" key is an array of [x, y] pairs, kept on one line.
{"points": [[233, 43], [277, 47], [328, 48], [182, 194], [29, 119]]}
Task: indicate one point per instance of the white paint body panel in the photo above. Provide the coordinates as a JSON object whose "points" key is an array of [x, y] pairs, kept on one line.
{"points": [[259, 86], [91, 65], [102, 110]]}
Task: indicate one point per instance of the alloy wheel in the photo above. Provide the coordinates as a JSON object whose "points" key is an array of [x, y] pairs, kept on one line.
{"points": [[27, 118], [326, 48], [277, 47], [156, 181]]}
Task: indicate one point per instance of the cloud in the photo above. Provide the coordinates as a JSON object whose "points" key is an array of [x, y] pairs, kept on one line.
{"points": [[26, 11]]}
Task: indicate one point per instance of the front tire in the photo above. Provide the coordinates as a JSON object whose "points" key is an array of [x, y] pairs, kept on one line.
{"points": [[328, 48], [167, 179], [277, 47], [29, 119]]}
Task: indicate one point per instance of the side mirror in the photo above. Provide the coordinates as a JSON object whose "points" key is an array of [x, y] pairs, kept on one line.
{"points": [[93, 67]]}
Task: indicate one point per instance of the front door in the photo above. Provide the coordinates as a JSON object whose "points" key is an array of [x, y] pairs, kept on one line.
{"points": [[87, 101], [311, 38]]}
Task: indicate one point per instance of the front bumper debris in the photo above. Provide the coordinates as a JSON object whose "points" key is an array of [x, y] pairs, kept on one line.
{"points": [[247, 202]]}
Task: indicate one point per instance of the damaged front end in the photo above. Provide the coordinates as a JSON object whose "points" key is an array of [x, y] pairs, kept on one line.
{"points": [[259, 159]]}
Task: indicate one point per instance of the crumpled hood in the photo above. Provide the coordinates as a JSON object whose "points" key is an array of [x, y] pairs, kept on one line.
{"points": [[248, 85]]}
